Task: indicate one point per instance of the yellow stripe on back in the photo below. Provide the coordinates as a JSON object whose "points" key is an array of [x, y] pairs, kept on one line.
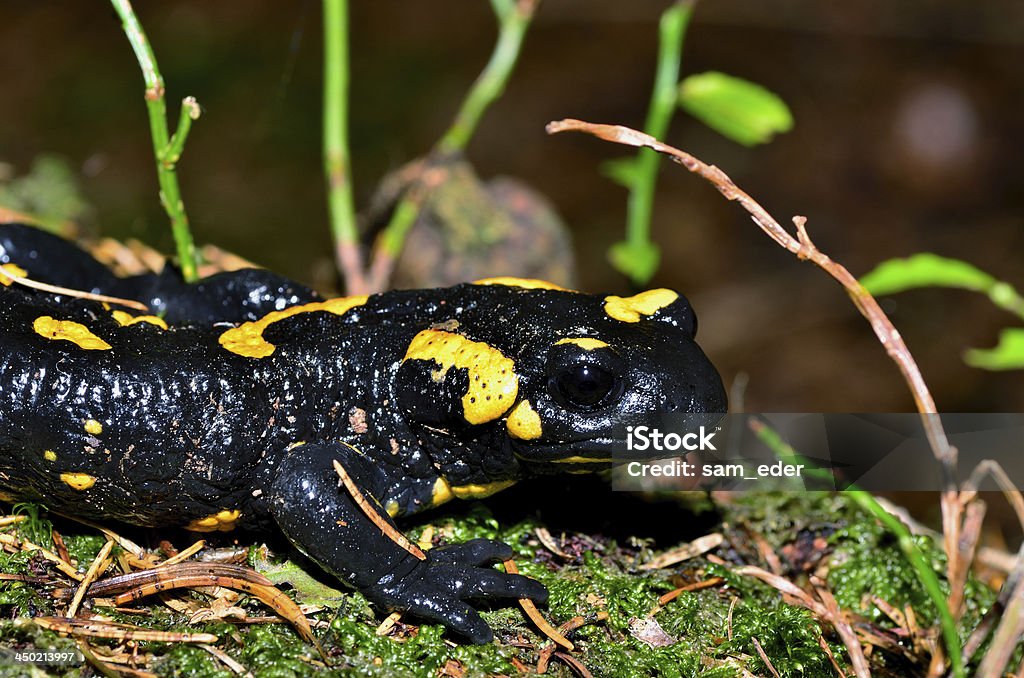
{"points": [[67, 330], [525, 283], [247, 339], [127, 319]]}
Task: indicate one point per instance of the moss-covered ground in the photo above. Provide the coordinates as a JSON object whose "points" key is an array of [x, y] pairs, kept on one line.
{"points": [[595, 572]]}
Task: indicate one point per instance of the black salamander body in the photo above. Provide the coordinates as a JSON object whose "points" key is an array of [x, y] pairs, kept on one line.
{"points": [[231, 406]]}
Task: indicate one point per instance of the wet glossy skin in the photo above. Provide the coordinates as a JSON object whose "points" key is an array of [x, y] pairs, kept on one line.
{"points": [[232, 408]]}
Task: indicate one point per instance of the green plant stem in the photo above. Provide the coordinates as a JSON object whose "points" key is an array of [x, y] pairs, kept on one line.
{"points": [[514, 20], [402, 219], [913, 554], [671, 34], [166, 151], [491, 82], [784, 452], [335, 150], [925, 573], [190, 111]]}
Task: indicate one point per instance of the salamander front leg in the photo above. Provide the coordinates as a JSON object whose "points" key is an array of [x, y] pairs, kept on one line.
{"points": [[322, 520]]}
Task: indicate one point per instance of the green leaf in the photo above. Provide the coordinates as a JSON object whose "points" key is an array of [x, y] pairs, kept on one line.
{"points": [[925, 270], [1007, 355], [623, 171], [639, 261], [739, 109], [308, 591]]}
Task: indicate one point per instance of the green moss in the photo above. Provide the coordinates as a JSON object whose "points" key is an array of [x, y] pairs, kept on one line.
{"points": [[363, 653], [83, 547], [189, 660], [36, 528], [789, 636], [605, 578], [18, 598], [14, 563], [869, 562], [275, 651]]}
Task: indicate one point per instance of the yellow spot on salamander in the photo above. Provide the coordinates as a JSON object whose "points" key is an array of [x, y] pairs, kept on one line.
{"points": [[586, 343], [50, 455], [524, 422], [493, 383], [442, 493], [481, 491], [222, 521], [78, 481], [392, 508], [247, 339], [13, 269], [525, 283], [127, 319], [629, 309], [93, 427], [68, 330]]}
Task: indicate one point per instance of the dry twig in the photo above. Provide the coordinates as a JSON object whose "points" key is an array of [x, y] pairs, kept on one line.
{"points": [[99, 564], [67, 291], [764, 657], [97, 628], [804, 248], [689, 550], [535, 616], [374, 515]]}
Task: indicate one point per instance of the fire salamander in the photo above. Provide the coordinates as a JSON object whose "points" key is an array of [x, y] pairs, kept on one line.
{"points": [[230, 402]]}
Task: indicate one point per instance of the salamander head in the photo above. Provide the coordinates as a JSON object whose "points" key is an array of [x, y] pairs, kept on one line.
{"points": [[557, 376]]}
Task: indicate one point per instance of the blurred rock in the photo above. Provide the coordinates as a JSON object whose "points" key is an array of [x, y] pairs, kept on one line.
{"points": [[469, 229]]}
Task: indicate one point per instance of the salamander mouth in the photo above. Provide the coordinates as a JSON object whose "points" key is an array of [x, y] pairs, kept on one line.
{"points": [[590, 452]]}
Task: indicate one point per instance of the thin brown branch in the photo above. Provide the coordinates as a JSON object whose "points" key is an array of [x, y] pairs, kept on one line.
{"points": [[78, 294], [827, 609], [1007, 635], [990, 467], [97, 628], [803, 247], [823, 644], [967, 546], [374, 515], [534, 614], [764, 657], [99, 564], [997, 614], [843, 628]]}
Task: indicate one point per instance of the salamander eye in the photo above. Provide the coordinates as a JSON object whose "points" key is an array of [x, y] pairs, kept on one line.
{"points": [[585, 385]]}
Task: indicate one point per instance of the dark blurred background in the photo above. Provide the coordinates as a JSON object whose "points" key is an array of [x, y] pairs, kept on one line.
{"points": [[908, 135]]}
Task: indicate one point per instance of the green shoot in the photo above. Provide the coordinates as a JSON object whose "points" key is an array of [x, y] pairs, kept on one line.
{"points": [[336, 152], [166, 149]]}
